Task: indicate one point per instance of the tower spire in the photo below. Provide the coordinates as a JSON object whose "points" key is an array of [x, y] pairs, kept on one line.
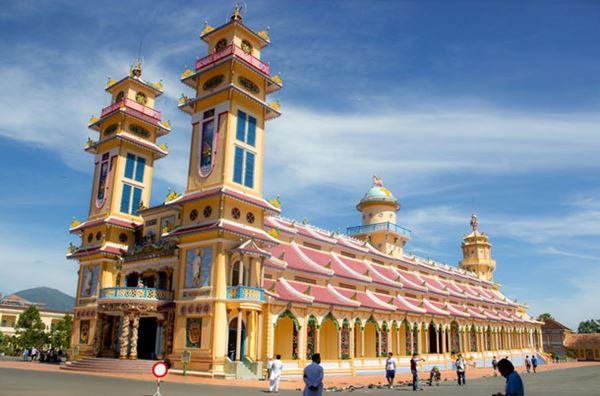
{"points": [[476, 249]]}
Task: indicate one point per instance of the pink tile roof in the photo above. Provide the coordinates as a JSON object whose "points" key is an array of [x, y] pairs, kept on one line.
{"points": [[407, 306], [384, 275], [409, 280], [295, 260], [349, 268]]}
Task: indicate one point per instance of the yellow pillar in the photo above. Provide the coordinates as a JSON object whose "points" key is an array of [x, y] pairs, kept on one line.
{"points": [[219, 319], [238, 339]]}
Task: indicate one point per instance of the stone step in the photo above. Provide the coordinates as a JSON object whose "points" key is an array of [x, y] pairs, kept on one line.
{"points": [[110, 365]]}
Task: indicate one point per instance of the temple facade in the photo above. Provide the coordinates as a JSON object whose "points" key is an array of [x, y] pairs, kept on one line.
{"points": [[217, 277]]}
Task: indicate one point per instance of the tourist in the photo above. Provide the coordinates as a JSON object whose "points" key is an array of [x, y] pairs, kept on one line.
{"points": [[275, 374], [528, 364], [34, 353], [414, 370], [25, 355], [514, 383], [436, 375], [461, 366], [313, 377], [495, 366], [390, 370], [534, 363], [269, 365]]}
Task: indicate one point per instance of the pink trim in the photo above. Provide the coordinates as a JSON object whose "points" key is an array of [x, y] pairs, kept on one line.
{"points": [[236, 51], [126, 102]]}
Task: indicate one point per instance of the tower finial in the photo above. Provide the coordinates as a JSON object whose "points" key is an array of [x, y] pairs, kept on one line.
{"points": [[237, 12], [377, 181], [474, 223]]}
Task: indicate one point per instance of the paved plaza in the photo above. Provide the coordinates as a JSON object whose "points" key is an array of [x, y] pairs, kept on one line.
{"points": [[581, 381]]}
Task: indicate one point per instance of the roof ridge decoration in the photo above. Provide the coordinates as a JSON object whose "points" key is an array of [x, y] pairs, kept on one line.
{"points": [[404, 301], [379, 274], [309, 261], [340, 262], [342, 297], [295, 292], [376, 299]]}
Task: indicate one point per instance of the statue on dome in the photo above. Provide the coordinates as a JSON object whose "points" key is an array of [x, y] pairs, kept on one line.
{"points": [[474, 223], [377, 181]]}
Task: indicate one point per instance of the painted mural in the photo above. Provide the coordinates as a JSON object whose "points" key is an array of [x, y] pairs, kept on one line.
{"points": [[89, 282], [197, 269]]}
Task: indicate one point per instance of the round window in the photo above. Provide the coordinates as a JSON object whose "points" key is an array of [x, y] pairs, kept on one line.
{"points": [[193, 214], [235, 213], [250, 217], [207, 211], [90, 237], [98, 235], [141, 98], [246, 46], [123, 237], [221, 44]]}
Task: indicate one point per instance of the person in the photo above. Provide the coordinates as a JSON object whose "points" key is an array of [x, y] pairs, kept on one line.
{"points": [[534, 363], [514, 383], [25, 354], [313, 377], [34, 353], [269, 365], [436, 375], [461, 366], [495, 366], [528, 363], [415, 370], [275, 374], [390, 369]]}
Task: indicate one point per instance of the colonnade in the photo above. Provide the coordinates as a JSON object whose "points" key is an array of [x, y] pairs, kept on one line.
{"points": [[296, 337]]}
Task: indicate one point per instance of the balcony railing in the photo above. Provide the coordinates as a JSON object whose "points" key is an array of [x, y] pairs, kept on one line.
{"points": [[245, 293], [136, 293], [387, 226], [238, 53], [132, 104]]}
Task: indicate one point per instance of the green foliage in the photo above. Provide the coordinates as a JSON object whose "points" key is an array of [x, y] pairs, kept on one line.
{"points": [[30, 329], [544, 317], [589, 326], [60, 334], [8, 344]]}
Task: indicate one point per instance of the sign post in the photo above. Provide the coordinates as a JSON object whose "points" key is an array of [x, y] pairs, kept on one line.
{"points": [[159, 370]]}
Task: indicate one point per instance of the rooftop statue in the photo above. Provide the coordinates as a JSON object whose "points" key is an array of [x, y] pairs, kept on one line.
{"points": [[377, 181], [474, 223]]}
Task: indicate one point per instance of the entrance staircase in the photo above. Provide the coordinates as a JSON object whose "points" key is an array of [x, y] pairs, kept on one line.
{"points": [[107, 365], [247, 369]]}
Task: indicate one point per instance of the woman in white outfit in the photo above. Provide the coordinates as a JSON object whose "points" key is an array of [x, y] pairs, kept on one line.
{"points": [[275, 376]]}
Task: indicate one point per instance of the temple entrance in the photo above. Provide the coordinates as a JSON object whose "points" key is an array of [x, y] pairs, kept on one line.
{"points": [[232, 342], [433, 343], [146, 347], [110, 335]]}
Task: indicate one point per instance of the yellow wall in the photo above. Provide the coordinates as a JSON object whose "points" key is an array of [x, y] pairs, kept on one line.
{"points": [[328, 346], [284, 332], [370, 340]]}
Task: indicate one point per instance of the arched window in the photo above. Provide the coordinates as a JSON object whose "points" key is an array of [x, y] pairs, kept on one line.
{"points": [[141, 98], [120, 96], [235, 274], [221, 44], [246, 46]]}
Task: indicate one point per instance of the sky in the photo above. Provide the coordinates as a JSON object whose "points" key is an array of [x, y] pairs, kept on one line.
{"points": [[490, 107]]}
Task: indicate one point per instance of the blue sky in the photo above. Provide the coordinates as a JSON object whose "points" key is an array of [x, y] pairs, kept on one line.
{"points": [[486, 106]]}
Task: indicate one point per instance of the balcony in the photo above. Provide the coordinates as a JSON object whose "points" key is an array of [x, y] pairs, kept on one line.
{"points": [[245, 293], [387, 226], [132, 104], [136, 293], [236, 51]]}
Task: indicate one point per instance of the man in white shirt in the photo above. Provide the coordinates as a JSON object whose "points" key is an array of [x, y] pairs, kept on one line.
{"points": [[275, 375], [390, 370], [313, 377]]}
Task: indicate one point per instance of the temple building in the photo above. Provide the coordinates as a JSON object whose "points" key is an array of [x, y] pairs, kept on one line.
{"points": [[217, 276]]}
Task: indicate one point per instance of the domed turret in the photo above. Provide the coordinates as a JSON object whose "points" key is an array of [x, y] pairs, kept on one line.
{"points": [[378, 207], [477, 249]]}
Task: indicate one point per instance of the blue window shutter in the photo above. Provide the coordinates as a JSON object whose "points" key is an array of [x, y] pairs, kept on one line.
{"points": [[139, 169], [137, 197], [238, 165], [251, 138], [125, 198], [129, 165], [241, 126], [249, 179]]}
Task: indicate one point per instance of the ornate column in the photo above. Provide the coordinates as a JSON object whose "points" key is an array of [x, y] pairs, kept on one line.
{"points": [[398, 339], [339, 337], [238, 336], [318, 339], [302, 338], [378, 351], [460, 340], [259, 336], [362, 341], [427, 346], [134, 336], [98, 332], [420, 339], [437, 341], [444, 335], [351, 340], [124, 338]]}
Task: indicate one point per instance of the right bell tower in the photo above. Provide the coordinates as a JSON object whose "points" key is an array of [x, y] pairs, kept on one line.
{"points": [[477, 250]]}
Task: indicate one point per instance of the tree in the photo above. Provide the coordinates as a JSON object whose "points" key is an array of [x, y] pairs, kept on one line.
{"points": [[60, 336], [544, 317], [30, 329], [589, 326]]}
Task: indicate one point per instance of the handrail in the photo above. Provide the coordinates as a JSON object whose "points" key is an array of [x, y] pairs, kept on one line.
{"points": [[144, 293], [132, 104], [386, 226], [236, 51], [242, 292]]}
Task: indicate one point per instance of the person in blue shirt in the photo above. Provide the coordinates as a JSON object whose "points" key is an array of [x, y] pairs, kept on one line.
{"points": [[514, 383]]}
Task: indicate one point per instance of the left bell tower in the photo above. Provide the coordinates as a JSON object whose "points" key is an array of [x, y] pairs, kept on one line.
{"points": [[124, 154]]}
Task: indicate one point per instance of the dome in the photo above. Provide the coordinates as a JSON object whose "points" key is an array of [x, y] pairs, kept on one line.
{"points": [[378, 194]]}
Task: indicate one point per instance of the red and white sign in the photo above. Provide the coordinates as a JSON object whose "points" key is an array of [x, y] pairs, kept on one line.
{"points": [[160, 370]]}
